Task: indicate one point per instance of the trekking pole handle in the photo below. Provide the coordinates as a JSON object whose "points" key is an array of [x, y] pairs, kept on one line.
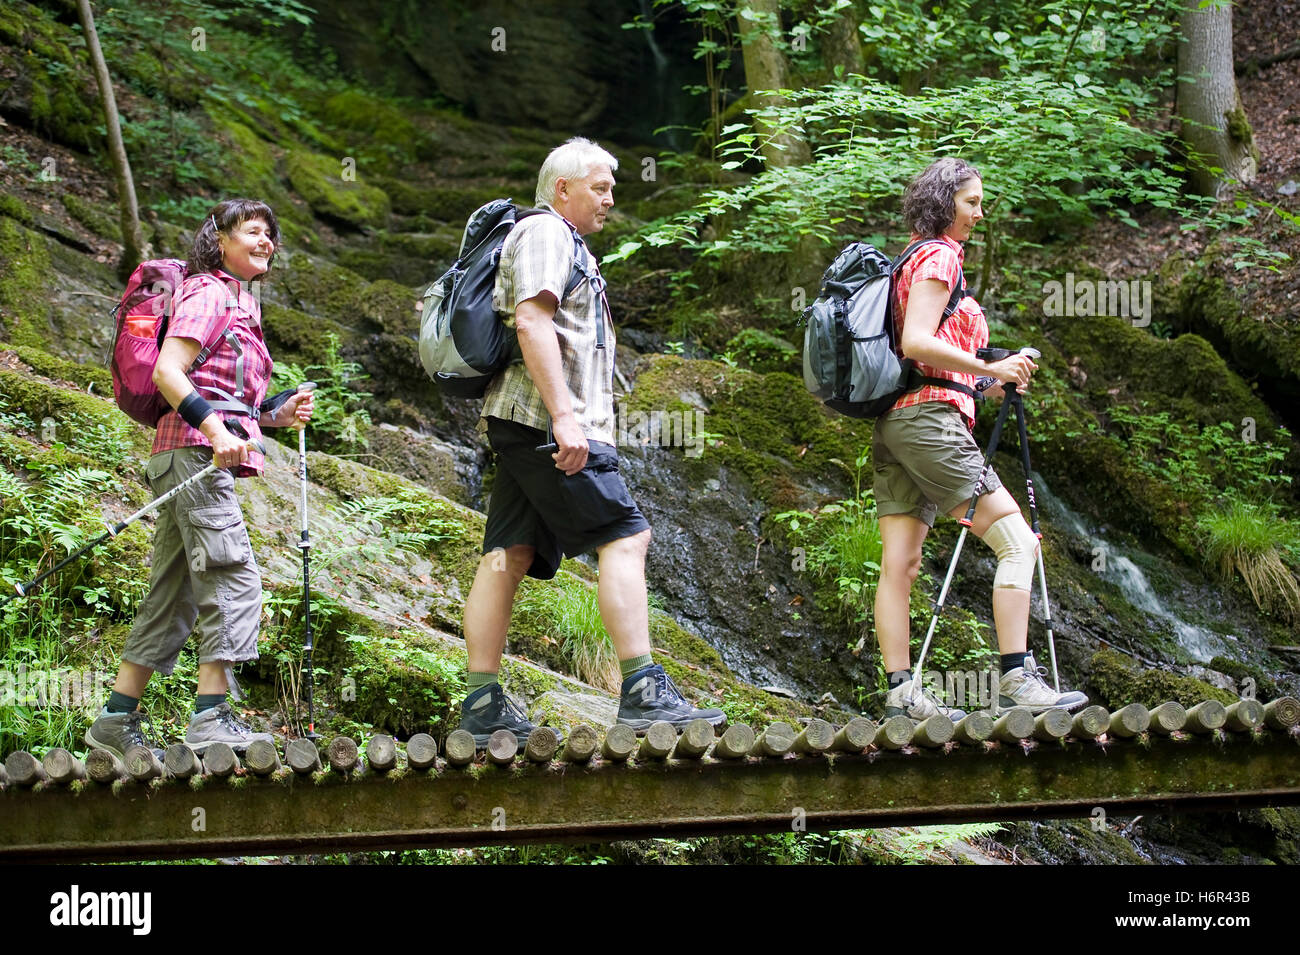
{"points": [[305, 388]]}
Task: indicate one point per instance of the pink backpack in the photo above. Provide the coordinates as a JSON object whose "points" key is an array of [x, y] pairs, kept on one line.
{"points": [[142, 316]]}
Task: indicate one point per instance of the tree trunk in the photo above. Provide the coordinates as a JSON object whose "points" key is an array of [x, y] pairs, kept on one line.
{"points": [[133, 252], [765, 70], [1214, 124], [842, 46]]}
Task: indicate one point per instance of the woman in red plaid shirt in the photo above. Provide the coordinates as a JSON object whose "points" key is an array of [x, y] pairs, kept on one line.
{"points": [[203, 570], [925, 459]]}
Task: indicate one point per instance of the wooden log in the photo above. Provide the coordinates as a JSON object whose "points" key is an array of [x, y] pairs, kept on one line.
{"points": [[542, 744], [581, 745], [220, 760], [816, 737], [302, 756], [1090, 722], [1130, 721], [381, 753], [695, 740], [894, 733], [62, 767], [141, 764], [1244, 716], [659, 740], [855, 735], [735, 743], [776, 740], [619, 743], [1282, 713], [1014, 725], [1052, 725], [261, 758], [103, 766], [343, 754], [421, 751], [503, 747], [459, 748], [24, 769], [181, 762], [1168, 717], [933, 731], [973, 728], [1206, 717]]}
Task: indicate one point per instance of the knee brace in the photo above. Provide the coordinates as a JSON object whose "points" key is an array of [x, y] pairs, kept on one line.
{"points": [[1016, 548]]}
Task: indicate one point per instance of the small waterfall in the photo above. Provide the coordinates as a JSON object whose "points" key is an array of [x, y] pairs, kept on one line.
{"points": [[1200, 643]]}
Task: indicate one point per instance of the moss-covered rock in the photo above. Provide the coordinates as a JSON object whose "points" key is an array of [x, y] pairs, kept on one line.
{"points": [[87, 376], [24, 277], [94, 217], [1119, 682], [376, 126], [336, 189], [52, 87]]}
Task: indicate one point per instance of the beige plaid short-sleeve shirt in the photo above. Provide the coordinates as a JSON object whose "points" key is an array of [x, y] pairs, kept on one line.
{"points": [[538, 257]]}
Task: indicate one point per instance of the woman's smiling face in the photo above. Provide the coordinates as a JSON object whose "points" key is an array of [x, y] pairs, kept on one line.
{"points": [[246, 251], [968, 205]]}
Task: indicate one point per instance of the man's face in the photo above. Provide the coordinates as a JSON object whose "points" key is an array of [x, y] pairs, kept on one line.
{"points": [[585, 202]]}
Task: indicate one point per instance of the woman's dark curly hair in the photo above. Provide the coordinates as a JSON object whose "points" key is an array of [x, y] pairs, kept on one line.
{"points": [[930, 203], [205, 252]]}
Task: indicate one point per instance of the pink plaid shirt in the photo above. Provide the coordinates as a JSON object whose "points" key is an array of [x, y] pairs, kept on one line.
{"points": [[966, 327], [200, 309]]}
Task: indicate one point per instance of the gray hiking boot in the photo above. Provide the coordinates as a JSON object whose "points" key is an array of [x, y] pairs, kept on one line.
{"points": [[488, 709], [649, 695], [1025, 686], [219, 724], [911, 699], [118, 732]]}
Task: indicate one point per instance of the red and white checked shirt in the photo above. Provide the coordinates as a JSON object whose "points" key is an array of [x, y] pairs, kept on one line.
{"points": [[966, 327], [199, 312]]}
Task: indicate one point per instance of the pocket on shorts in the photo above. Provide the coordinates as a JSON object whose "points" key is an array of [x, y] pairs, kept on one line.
{"points": [[598, 488], [219, 536], [158, 465]]}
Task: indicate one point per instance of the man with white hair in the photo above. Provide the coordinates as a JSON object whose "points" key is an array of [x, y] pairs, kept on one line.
{"points": [[550, 421]]}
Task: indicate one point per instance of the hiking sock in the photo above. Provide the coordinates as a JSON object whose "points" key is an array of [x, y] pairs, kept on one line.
{"points": [[899, 676], [121, 703], [206, 701], [1012, 660], [632, 664], [476, 681]]}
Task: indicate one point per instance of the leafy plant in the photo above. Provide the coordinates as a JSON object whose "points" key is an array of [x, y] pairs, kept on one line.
{"points": [[340, 413], [1248, 540]]}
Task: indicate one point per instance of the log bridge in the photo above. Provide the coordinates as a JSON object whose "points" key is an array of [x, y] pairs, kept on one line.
{"points": [[598, 787]]}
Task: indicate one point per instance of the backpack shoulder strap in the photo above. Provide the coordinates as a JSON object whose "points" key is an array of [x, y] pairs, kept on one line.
{"points": [[958, 293], [233, 401], [583, 270]]}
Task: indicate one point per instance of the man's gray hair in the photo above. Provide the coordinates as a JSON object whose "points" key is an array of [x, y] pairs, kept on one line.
{"points": [[573, 160]]}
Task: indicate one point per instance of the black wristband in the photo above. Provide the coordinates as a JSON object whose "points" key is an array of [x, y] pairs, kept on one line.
{"points": [[194, 410]]}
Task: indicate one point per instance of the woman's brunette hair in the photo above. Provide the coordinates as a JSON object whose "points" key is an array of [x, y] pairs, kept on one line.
{"points": [[930, 204], [205, 252]]}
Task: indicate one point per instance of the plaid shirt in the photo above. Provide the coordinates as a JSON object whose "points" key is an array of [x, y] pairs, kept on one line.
{"points": [[538, 256], [966, 327], [199, 311]]}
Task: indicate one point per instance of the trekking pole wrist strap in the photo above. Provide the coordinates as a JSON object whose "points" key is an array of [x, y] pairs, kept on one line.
{"points": [[194, 410]]}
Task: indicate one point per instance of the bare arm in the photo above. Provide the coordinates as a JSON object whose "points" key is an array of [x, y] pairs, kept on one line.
{"points": [[925, 305], [535, 326], [176, 355]]}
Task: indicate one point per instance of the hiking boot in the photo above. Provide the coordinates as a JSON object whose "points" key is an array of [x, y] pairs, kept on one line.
{"points": [[219, 724], [648, 696], [924, 704], [1025, 686], [118, 732], [488, 709]]}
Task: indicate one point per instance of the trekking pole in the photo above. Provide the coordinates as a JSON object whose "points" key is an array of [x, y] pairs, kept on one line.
{"points": [[304, 543], [115, 529]]}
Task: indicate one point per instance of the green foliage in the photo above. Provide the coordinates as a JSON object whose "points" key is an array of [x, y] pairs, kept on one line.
{"points": [[568, 612], [916, 846], [339, 413], [762, 351], [1248, 540]]}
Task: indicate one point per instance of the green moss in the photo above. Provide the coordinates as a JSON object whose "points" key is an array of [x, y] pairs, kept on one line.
{"points": [[55, 83], [50, 366], [92, 217], [1266, 687], [1119, 682], [343, 296], [24, 284], [320, 180], [379, 123], [15, 208]]}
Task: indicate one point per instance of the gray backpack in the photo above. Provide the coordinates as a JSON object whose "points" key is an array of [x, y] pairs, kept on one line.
{"points": [[850, 356], [463, 340]]}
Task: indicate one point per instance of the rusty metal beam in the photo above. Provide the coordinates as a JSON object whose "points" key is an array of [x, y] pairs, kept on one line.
{"points": [[485, 804]]}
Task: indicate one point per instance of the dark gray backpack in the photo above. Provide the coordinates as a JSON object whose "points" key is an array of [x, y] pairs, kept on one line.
{"points": [[463, 340], [850, 356]]}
